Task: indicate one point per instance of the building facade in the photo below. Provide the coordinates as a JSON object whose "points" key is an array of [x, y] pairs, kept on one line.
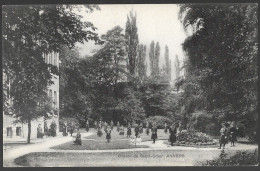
{"points": [[12, 131]]}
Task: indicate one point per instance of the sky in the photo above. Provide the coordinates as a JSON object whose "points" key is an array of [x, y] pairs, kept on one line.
{"points": [[158, 22]]}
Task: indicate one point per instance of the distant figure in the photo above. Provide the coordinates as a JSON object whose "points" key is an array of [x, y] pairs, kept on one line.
{"points": [[154, 133], [105, 127], [108, 137], [141, 128], [179, 128], [87, 126], [223, 136], [232, 134], [45, 127], [121, 130], [165, 128], [53, 128], [172, 131], [78, 138], [112, 125], [147, 129], [95, 125], [137, 130], [99, 129], [129, 132], [118, 126], [65, 129], [40, 134], [71, 129]]}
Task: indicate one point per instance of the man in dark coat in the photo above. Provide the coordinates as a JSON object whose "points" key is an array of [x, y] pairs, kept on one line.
{"points": [[53, 128], [154, 133], [232, 134], [172, 137], [65, 129], [129, 132], [137, 131]]}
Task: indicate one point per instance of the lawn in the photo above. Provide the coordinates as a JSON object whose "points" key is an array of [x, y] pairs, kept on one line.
{"points": [[98, 145], [165, 157]]}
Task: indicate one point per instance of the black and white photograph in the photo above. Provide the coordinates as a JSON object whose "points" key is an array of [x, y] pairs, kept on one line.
{"points": [[130, 85]]}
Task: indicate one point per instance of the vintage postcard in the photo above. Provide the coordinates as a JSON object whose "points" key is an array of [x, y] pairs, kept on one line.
{"points": [[97, 85]]}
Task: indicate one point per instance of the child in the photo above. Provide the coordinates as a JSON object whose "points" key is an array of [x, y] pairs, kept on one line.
{"points": [[108, 137]]}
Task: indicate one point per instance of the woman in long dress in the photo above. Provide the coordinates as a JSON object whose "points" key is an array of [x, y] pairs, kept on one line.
{"points": [[172, 137], [108, 136], [154, 133], [223, 136], [165, 128]]}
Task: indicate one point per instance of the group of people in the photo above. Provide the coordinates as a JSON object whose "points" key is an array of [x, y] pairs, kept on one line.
{"points": [[227, 133], [47, 132]]}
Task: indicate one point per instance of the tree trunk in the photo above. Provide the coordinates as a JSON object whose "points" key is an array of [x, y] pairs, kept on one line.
{"points": [[29, 132]]}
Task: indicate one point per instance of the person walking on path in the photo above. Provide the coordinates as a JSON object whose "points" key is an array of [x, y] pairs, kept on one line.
{"points": [[223, 136], [154, 133], [232, 134], [71, 130], [141, 128], [129, 132], [112, 125], [78, 138], [147, 131], [137, 131], [65, 129], [39, 131], [105, 127], [108, 136], [87, 125], [118, 126], [172, 131], [165, 128], [99, 129]]}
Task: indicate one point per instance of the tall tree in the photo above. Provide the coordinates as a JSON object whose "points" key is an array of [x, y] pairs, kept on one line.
{"points": [[177, 67], [141, 66], [156, 60], [131, 36], [167, 66], [152, 59], [222, 55], [28, 33]]}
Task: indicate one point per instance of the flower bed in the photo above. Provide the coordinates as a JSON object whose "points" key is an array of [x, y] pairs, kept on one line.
{"points": [[194, 138]]}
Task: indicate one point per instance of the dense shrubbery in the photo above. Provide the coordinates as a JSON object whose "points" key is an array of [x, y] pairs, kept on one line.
{"points": [[241, 158], [194, 138], [159, 120]]}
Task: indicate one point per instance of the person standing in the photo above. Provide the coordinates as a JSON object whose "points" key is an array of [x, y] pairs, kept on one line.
{"points": [[129, 132], [141, 128], [65, 129], [112, 125], [165, 128], [147, 129], [232, 134], [99, 129], [87, 125], [172, 131], [108, 136], [154, 133], [39, 131], [105, 127], [53, 128], [71, 129], [137, 130], [118, 126], [223, 136]]}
